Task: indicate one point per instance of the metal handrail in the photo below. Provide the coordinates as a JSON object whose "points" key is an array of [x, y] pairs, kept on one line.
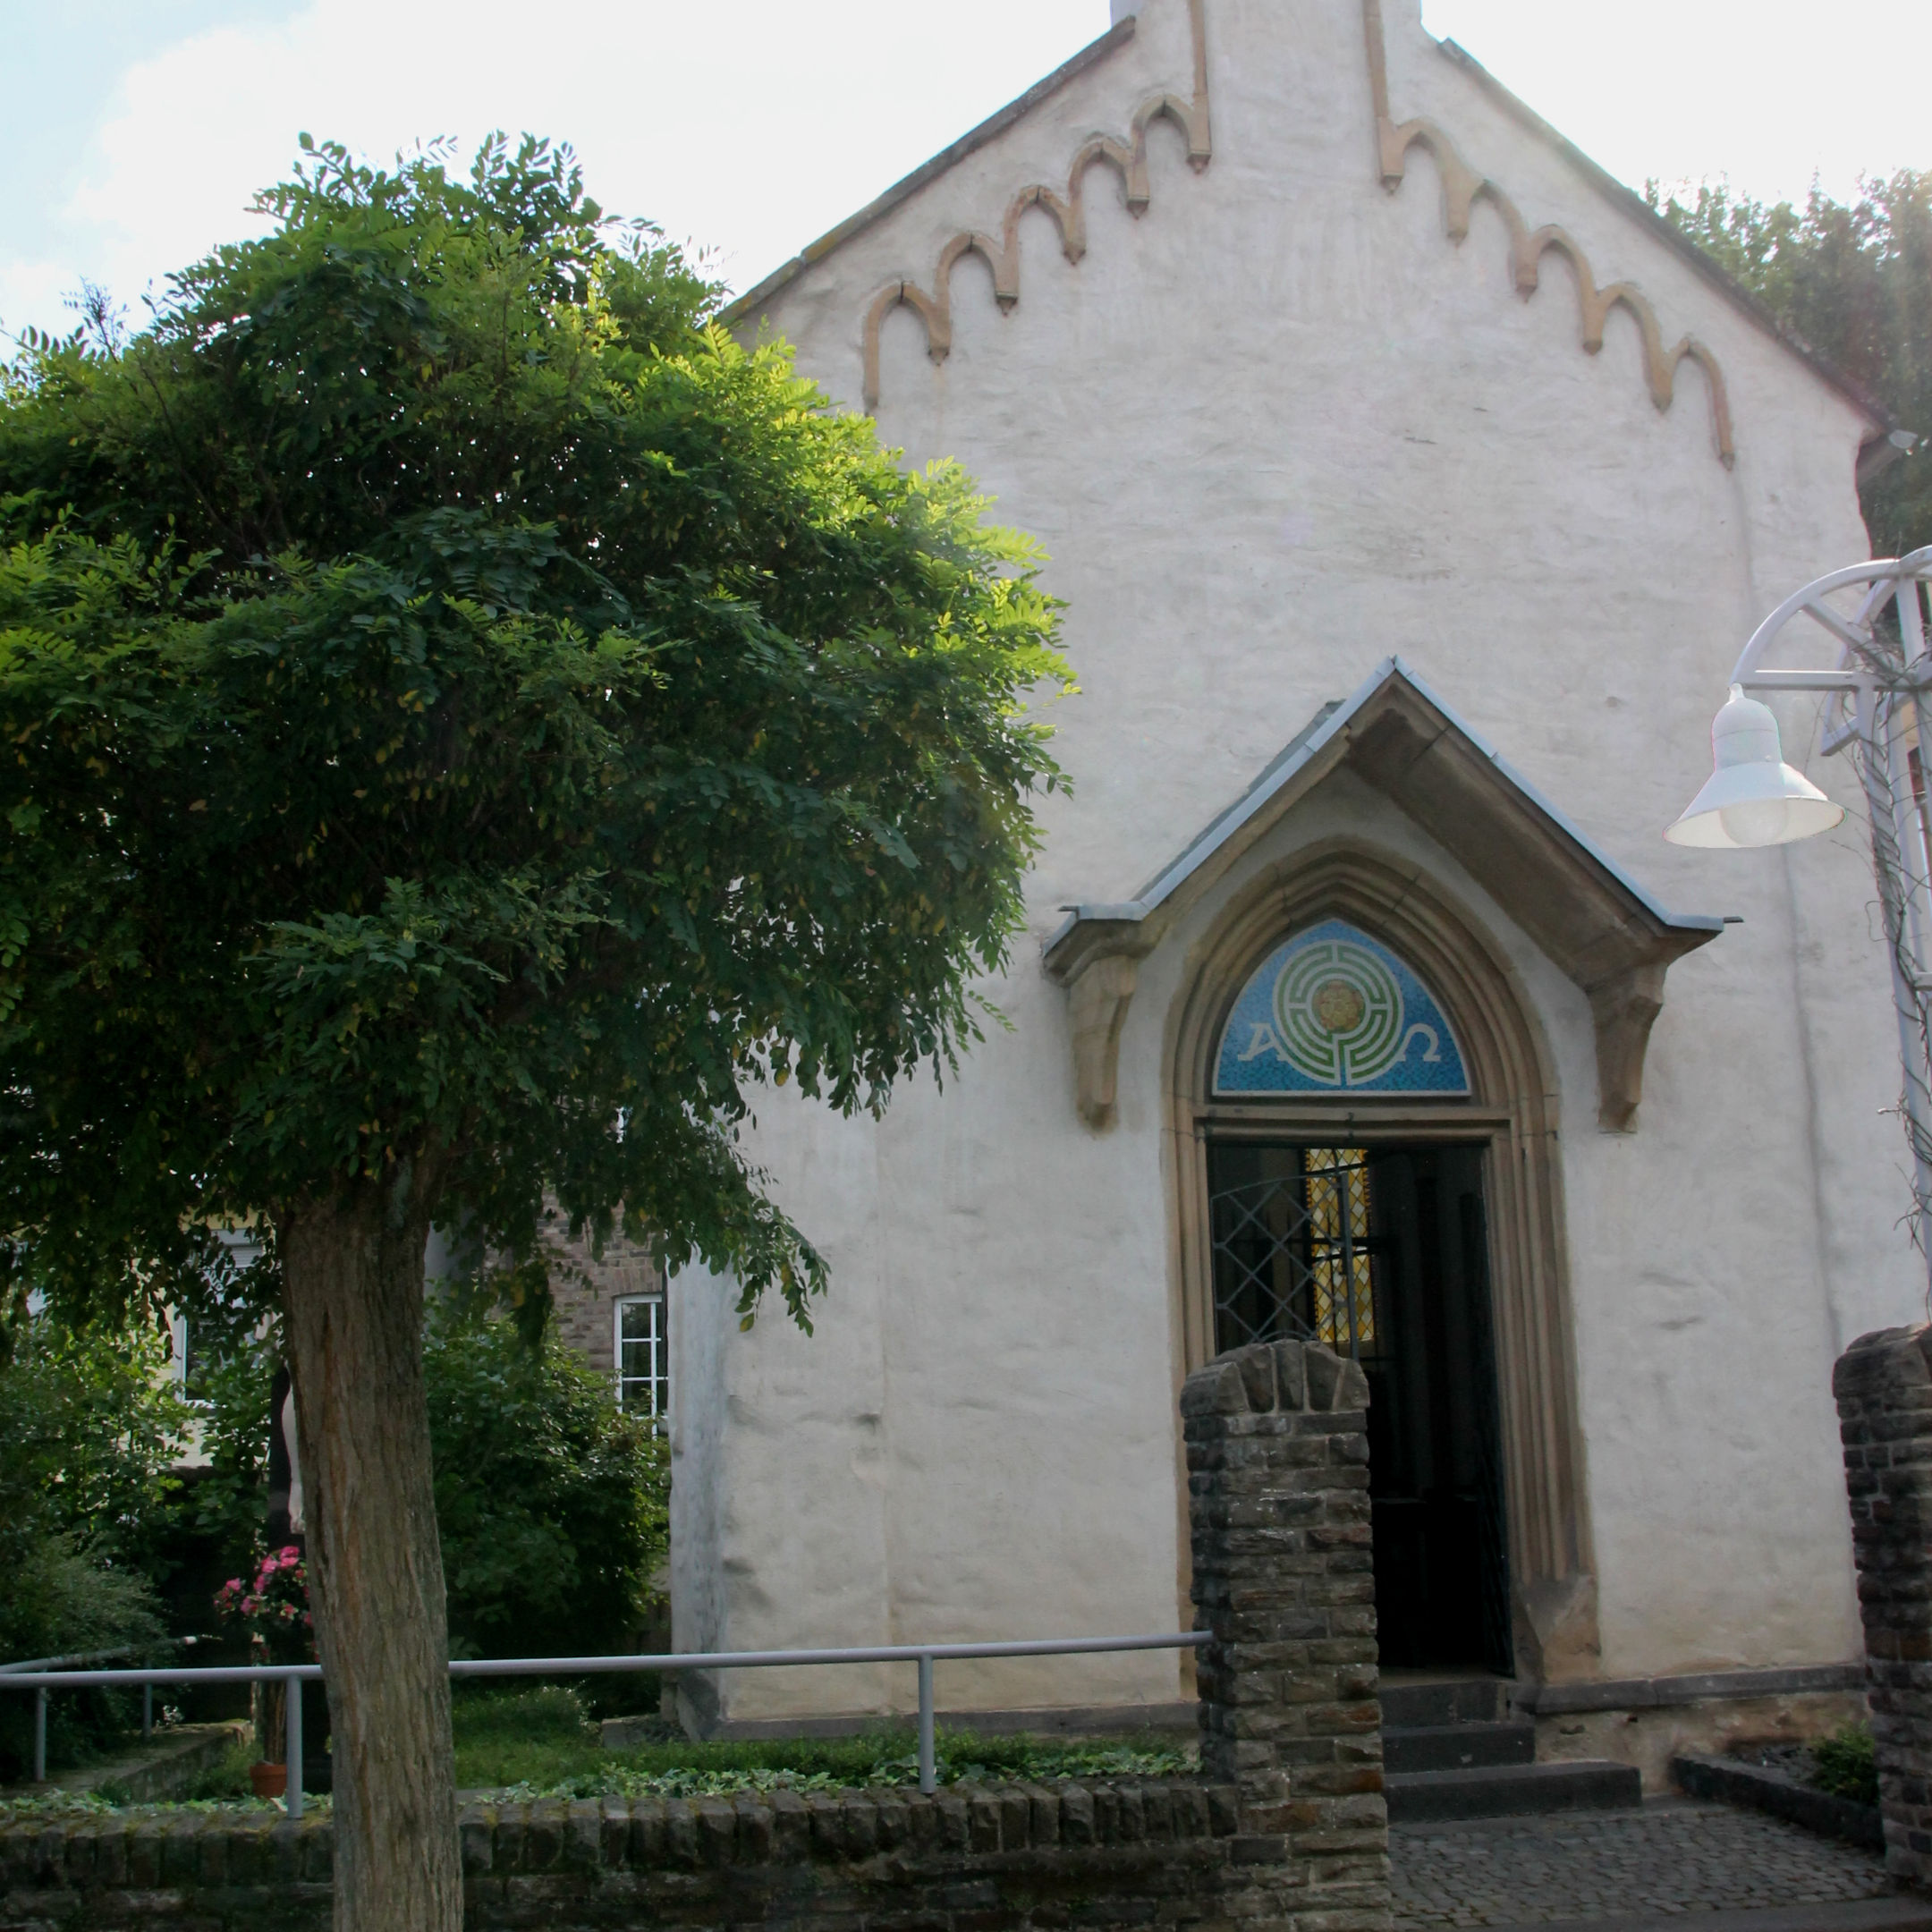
{"points": [[294, 1675], [63, 1663], [27, 1668]]}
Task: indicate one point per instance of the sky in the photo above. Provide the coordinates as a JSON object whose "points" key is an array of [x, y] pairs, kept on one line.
{"points": [[137, 129]]}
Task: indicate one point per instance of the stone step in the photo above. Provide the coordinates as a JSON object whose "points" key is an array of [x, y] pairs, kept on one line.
{"points": [[1511, 1791], [1841, 1915], [1461, 1747], [1447, 1701]]}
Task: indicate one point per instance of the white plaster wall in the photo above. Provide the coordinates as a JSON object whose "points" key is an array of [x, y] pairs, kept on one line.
{"points": [[1271, 431]]}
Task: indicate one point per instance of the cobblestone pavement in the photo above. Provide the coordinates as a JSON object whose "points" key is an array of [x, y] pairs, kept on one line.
{"points": [[1672, 1856]]}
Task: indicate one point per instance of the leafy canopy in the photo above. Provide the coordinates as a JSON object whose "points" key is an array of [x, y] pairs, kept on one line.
{"points": [[1855, 282], [469, 723]]}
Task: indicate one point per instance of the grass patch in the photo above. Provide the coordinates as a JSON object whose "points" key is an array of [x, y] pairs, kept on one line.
{"points": [[541, 1743], [520, 1737]]}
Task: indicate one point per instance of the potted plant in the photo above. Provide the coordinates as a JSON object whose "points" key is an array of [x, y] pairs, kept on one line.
{"points": [[273, 1606]]}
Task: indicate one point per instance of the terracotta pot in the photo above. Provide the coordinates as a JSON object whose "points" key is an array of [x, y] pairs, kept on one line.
{"points": [[269, 1780]]}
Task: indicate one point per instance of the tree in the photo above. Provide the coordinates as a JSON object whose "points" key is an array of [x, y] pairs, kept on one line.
{"points": [[472, 725], [1855, 282]]}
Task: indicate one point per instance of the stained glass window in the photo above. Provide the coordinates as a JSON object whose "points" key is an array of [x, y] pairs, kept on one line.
{"points": [[1333, 1010], [1336, 1180], [1295, 1253]]}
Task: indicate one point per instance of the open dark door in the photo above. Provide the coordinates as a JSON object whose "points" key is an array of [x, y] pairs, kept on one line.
{"points": [[1435, 1463], [1382, 1254]]}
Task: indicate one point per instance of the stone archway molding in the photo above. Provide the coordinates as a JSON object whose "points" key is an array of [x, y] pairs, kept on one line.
{"points": [[1595, 922], [1511, 1110]]}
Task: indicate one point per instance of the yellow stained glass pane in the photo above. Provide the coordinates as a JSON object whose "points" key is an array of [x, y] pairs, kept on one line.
{"points": [[1337, 1196]]}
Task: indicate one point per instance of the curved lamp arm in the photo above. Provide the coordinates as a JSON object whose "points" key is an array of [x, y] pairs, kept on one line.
{"points": [[1888, 577]]}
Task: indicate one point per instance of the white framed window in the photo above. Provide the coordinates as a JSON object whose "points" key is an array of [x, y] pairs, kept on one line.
{"points": [[643, 1355]]}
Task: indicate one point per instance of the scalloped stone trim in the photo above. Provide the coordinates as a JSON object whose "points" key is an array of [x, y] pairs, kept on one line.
{"points": [[1463, 187], [1127, 158]]}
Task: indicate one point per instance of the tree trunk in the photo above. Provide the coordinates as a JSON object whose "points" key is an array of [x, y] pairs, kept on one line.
{"points": [[352, 1288]]}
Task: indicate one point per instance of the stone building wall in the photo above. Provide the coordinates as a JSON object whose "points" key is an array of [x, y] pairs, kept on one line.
{"points": [[1573, 571], [584, 1287]]}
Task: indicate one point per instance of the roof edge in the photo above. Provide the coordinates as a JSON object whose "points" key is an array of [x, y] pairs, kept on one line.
{"points": [[1633, 204], [1332, 719], [903, 190]]}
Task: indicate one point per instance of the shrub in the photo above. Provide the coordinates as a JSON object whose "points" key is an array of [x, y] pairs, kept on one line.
{"points": [[1845, 1765], [552, 1505], [92, 1424], [552, 1502], [62, 1600], [89, 1426]]}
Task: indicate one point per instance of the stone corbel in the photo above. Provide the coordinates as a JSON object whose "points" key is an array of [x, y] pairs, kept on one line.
{"points": [[1624, 1006], [1557, 1630], [1097, 1003]]}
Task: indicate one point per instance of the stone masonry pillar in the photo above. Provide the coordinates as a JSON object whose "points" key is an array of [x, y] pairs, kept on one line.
{"points": [[1277, 1455], [1883, 1384]]}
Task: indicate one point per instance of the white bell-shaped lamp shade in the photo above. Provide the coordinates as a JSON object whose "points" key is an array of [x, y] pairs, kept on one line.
{"points": [[1754, 798]]}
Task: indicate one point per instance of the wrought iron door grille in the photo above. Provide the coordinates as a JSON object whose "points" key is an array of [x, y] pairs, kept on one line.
{"points": [[1293, 1257]]}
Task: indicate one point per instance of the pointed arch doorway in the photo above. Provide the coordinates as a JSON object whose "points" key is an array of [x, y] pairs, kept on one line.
{"points": [[1381, 1252], [1363, 1137]]}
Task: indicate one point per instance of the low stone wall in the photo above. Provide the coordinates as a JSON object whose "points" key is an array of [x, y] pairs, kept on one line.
{"points": [[1765, 1788], [1285, 1829], [1116, 1854]]}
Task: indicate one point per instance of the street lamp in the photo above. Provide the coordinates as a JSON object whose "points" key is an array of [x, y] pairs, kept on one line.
{"points": [[1878, 706]]}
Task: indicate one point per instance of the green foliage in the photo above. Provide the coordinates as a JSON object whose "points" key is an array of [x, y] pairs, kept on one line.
{"points": [[90, 1426], [62, 1600], [552, 1503], [1855, 282], [230, 1383], [1846, 1764], [59, 1803], [226, 1781], [539, 1743], [469, 723]]}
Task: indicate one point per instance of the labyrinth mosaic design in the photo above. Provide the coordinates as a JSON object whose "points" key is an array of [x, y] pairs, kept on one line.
{"points": [[1333, 1011]]}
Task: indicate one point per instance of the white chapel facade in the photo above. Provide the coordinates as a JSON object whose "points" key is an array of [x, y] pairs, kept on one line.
{"points": [[1411, 489]]}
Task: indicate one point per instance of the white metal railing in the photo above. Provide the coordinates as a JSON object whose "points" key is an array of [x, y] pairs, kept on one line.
{"points": [[42, 1681], [49, 1665]]}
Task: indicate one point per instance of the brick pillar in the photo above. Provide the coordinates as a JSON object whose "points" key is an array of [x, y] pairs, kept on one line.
{"points": [[1884, 1386], [1284, 1576]]}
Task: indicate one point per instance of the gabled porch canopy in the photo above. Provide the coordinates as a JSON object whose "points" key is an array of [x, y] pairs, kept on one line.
{"points": [[1595, 922]]}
